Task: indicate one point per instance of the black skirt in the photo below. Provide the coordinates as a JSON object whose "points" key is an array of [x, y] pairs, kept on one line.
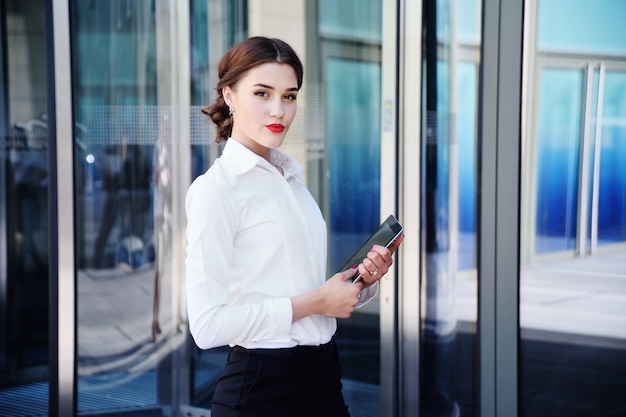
{"points": [[303, 381]]}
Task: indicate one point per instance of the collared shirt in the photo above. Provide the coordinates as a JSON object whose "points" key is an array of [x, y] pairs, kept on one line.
{"points": [[255, 238]]}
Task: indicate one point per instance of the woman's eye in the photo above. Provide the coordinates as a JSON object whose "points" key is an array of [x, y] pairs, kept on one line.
{"points": [[290, 97], [261, 94]]}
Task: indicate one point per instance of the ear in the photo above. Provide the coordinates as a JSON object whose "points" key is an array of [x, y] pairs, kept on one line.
{"points": [[227, 93]]}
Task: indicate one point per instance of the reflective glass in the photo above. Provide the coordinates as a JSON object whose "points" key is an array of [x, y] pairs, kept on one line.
{"points": [[572, 302], [200, 75], [353, 143], [572, 27], [469, 26], [558, 158], [467, 76], [612, 162], [343, 159], [122, 196], [448, 187], [24, 227], [353, 98], [215, 27], [351, 19]]}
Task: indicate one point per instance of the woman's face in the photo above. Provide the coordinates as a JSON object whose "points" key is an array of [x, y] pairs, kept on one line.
{"points": [[263, 103]]}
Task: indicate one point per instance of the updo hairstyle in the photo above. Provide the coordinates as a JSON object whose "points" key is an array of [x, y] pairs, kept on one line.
{"points": [[242, 57]]}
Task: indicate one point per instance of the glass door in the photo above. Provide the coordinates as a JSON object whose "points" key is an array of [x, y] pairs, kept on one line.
{"points": [[450, 145], [608, 169], [580, 150], [344, 167], [572, 294]]}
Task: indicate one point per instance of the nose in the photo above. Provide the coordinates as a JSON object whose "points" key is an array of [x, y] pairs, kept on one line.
{"points": [[277, 108]]}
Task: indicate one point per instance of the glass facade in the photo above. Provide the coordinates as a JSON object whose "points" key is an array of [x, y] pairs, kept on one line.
{"points": [[572, 297], [350, 79], [141, 70], [116, 153], [448, 187], [24, 230]]}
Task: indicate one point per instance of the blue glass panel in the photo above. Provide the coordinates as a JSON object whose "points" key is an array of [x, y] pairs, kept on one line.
{"points": [[558, 156], [612, 193], [595, 26], [199, 33], [353, 103], [351, 19], [468, 19], [114, 88], [443, 20], [467, 74]]}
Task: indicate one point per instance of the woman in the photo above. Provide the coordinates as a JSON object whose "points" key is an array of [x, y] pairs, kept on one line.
{"points": [[256, 254]]}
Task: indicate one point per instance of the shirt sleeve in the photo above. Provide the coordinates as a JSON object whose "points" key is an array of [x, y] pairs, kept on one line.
{"points": [[213, 321]]}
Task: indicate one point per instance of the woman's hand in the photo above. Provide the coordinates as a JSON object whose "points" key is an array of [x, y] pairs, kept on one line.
{"points": [[379, 260], [339, 295], [336, 298]]}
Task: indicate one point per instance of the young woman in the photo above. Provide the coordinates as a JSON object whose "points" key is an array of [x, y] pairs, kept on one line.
{"points": [[256, 254]]}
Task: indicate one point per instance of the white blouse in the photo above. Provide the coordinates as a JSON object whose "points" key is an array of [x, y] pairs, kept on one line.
{"points": [[255, 238]]}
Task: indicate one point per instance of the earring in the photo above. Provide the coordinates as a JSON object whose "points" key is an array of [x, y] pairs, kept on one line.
{"points": [[230, 112]]}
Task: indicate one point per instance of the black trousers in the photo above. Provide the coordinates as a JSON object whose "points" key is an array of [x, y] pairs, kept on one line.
{"points": [[304, 381]]}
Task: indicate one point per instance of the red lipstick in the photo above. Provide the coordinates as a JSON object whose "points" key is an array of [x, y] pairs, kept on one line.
{"points": [[276, 127]]}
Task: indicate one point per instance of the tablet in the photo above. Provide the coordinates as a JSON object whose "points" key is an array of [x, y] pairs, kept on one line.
{"points": [[386, 234]]}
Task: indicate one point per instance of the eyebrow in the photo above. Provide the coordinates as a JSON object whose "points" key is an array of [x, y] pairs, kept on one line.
{"points": [[269, 87]]}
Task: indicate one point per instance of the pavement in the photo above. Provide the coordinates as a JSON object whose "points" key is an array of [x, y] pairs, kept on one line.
{"points": [[584, 296], [115, 316], [583, 299], [580, 300]]}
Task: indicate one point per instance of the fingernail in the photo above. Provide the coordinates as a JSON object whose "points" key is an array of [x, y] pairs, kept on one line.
{"points": [[354, 266], [372, 247]]}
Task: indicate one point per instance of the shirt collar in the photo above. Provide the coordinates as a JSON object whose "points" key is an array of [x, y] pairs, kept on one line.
{"points": [[243, 160]]}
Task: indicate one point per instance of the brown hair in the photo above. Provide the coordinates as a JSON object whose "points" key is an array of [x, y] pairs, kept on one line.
{"points": [[242, 57]]}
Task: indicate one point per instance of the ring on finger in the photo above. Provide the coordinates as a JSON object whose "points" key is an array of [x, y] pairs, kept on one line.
{"points": [[374, 273]]}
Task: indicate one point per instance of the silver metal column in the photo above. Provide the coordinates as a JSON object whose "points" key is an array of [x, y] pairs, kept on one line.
{"points": [[408, 90], [63, 137], [499, 197], [583, 186], [597, 145]]}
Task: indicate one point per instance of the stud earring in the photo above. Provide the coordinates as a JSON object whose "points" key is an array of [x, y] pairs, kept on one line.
{"points": [[230, 112]]}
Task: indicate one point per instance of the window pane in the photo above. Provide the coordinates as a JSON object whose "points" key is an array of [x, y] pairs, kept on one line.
{"points": [[572, 295], [353, 158], [343, 149], [612, 162], [351, 19], [467, 76], [121, 150], [215, 26], [448, 380], [575, 28], [469, 26], [559, 139], [353, 99], [24, 229]]}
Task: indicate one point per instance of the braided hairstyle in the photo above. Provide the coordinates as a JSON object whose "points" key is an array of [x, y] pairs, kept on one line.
{"points": [[242, 57]]}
